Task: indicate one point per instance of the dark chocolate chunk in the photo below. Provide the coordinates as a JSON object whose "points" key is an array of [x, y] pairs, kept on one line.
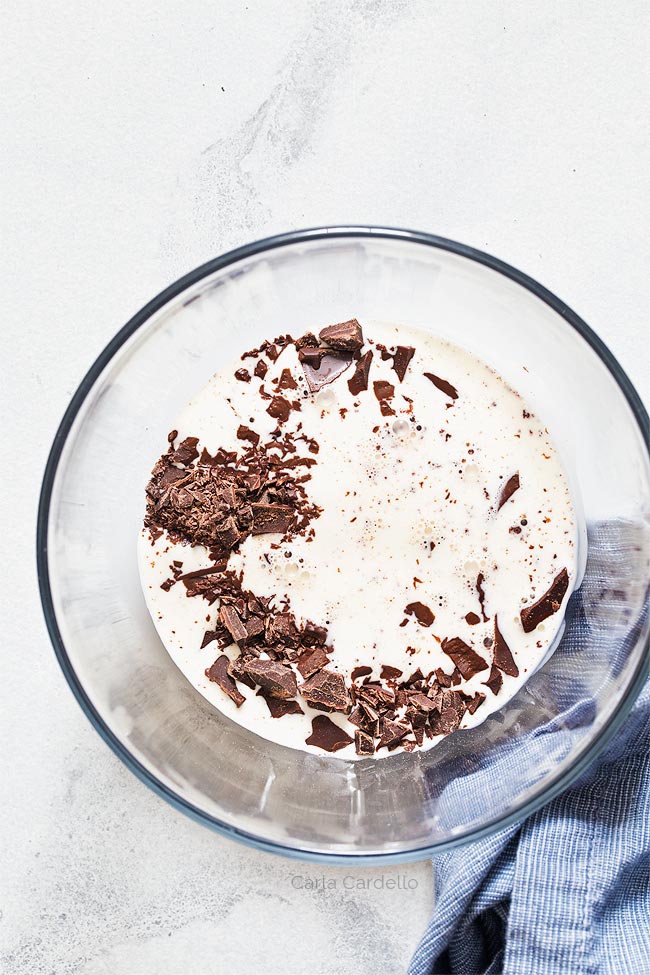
{"points": [[495, 680], [472, 619], [306, 341], [261, 369], [279, 408], [245, 433], [323, 368], [443, 385], [390, 673], [480, 579], [286, 380], [423, 702], [279, 707], [230, 618], [346, 336], [274, 677], [235, 669], [360, 672], [271, 518], [443, 679], [508, 489], [422, 613], [186, 451], [546, 605], [391, 732], [243, 375], [313, 635], [444, 723], [383, 389], [474, 703], [281, 628], [363, 743], [359, 380], [218, 673], [401, 359], [503, 658], [466, 659], [327, 735], [327, 687], [311, 661]]}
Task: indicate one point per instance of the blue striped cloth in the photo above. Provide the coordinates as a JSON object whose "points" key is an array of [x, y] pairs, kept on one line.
{"points": [[566, 892]]}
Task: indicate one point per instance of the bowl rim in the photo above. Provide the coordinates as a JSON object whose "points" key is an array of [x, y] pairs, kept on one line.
{"points": [[526, 808]]}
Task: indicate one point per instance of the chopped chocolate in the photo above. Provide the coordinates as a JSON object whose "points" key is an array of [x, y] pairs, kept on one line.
{"points": [[274, 677], [286, 380], [383, 390], [220, 634], [261, 369], [313, 635], [401, 359], [360, 672], [346, 336], [423, 702], [391, 732], [474, 703], [271, 518], [218, 673], [443, 679], [324, 369], [422, 613], [243, 375], [326, 687], [472, 619], [245, 433], [279, 707], [443, 385], [363, 743], [495, 680], [466, 659], [279, 408], [503, 658], [235, 669], [444, 723], [230, 618], [311, 661], [327, 735], [390, 673], [305, 341], [281, 628], [186, 452], [508, 489], [546, 605], [359, 380], [480, 579]]}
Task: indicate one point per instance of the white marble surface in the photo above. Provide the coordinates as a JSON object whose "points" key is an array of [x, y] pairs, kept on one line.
{"points": [[143, 139]]}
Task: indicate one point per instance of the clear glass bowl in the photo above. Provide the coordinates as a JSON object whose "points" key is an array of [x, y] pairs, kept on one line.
{"points": [[322, 808]]}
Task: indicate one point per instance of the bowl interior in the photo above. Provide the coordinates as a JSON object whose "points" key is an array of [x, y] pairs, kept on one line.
{"points": [[278, 797]]}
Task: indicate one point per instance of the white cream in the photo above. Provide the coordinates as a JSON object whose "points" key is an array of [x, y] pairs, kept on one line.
{"points": [[409, 514]]}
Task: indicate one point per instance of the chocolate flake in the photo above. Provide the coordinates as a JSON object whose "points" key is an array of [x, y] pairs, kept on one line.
{"points": [[245, 433], [466, 659], [442, 385], [383, 389], [327, 687], [261, 369], [546, 605], [311, 661], [273, 677], [279, 707], [346, 336], [503, 658], [279, 408], [480, 579], [401, 359], [359, 672], [495, 680], [286, 380], [390, 673], [422, 613], [508, 489], [218, 673], [324, 369], [359, 380], [327, 735]]}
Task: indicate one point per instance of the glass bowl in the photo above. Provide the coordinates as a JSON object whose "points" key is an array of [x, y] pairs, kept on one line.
{"points": [[404, 806]]}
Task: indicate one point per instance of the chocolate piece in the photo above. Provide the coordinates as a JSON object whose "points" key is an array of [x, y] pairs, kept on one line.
{"points": [[480, 579], [390, 673], [218, 673], [279, 408], [383, 389], [346, 336], [306, 341], [278, 707], [243, 375], [359, 380], [363, 743], [503, 658], [391, 732], [235, 669], [325, 369], [245, 433], [472, 619], [186, 451], [495, 680], [327, 735], [422, 613], [313, 635], [442, 385], [401, 359], [360, 672], [274, 677], [311, 661], [443, 679], [230, 618], [444, 723], [546, 605], [271, 518], [508, 489], [286, 380], [423, 702], [261, 369], [474, 703], [327, 687], [466, 659]]}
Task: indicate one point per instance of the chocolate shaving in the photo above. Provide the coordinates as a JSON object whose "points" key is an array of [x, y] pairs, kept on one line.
{"points": [[218, 673], [391, 732], [467, 660], [327, 735], [546, 605], [383, 389], [508, 489], [327, 688], [401, 359], [358, 382], [442, 385], [480, 579], [231, 620], [390, 673], [422, 613], [503, 658], [346, 336]]}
